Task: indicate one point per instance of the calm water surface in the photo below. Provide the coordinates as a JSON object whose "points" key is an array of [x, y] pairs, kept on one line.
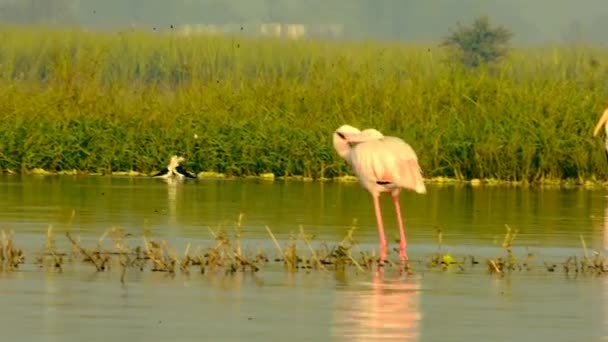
{"points": [[80, 304]]}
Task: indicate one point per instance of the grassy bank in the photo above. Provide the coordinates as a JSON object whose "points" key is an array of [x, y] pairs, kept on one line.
{"points": [[102, 102]]}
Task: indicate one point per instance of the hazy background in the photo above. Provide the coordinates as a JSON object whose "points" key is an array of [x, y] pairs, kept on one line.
{"points": [[532, 21]]}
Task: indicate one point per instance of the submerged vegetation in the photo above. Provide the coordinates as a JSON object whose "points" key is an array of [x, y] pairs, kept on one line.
{"points": [[101, 102], [300, 252]]}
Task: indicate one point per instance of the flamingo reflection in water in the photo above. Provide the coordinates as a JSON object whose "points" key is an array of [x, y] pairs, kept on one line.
{"points": [[385, 309]]}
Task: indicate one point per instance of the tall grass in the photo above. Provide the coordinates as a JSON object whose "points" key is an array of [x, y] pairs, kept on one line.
{"points": [[101, 102]]}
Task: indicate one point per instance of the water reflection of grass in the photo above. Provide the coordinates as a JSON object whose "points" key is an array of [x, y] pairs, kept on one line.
{"points": [[299, 252], [120, 102]]}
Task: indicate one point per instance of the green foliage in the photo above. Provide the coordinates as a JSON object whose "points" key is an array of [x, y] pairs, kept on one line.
{"points": [[102, 102], [479, 43]]}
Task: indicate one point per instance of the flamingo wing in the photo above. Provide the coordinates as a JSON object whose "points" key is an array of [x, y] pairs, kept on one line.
{"points": [[407, 167], [386, 161]]}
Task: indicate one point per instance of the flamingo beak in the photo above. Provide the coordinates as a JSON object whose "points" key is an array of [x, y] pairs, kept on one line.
{"points": [[356, 138], [600, 123], [348, 137]]}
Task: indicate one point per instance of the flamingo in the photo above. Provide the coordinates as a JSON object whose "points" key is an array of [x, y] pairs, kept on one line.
{"points": [[602, 122], [174, 169], [382, 164]]}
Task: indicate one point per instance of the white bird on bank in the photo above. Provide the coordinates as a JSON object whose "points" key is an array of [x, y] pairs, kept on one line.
{"points": [[173, 169]]}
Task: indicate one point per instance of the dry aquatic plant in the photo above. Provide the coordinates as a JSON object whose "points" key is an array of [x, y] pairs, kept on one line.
{"points": [[10, 256], [501, 264], [51, 251], [338, 257], [596, 265], [298, 252]]}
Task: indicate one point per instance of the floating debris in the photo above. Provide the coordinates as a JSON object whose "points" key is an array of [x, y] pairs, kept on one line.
{"points": [[211, 174], [269, 176]]}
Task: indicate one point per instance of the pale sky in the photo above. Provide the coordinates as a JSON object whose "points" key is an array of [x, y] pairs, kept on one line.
{"points": [[532, 21]]}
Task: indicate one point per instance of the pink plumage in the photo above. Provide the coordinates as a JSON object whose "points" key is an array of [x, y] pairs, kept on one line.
{"points": [[382, 164]]}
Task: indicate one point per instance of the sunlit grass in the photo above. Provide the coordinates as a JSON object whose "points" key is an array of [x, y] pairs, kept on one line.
{"points": [[103, 102]]}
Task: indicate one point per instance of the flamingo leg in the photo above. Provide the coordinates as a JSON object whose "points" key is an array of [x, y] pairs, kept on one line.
{"points": [[403, 240], [383, 245]]}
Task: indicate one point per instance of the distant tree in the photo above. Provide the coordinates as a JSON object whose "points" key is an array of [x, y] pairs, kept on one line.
{"points": [[479, 43]]}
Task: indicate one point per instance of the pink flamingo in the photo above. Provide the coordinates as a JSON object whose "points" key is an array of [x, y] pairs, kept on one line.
{"points": [[382, 164], [598, 126]]}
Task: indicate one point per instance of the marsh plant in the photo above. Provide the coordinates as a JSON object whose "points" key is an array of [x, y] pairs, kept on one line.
{"points": [[227, 252], [10, 255], [101, 102]]}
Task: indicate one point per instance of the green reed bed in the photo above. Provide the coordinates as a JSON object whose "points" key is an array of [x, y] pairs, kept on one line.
{"points": [[105, 101]]}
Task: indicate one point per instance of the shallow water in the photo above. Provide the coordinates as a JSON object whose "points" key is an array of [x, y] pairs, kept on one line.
{"points": [[81, 304]]}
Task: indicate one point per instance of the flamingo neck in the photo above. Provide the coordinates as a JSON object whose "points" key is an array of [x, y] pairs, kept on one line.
{"points": [[343, 149]]}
